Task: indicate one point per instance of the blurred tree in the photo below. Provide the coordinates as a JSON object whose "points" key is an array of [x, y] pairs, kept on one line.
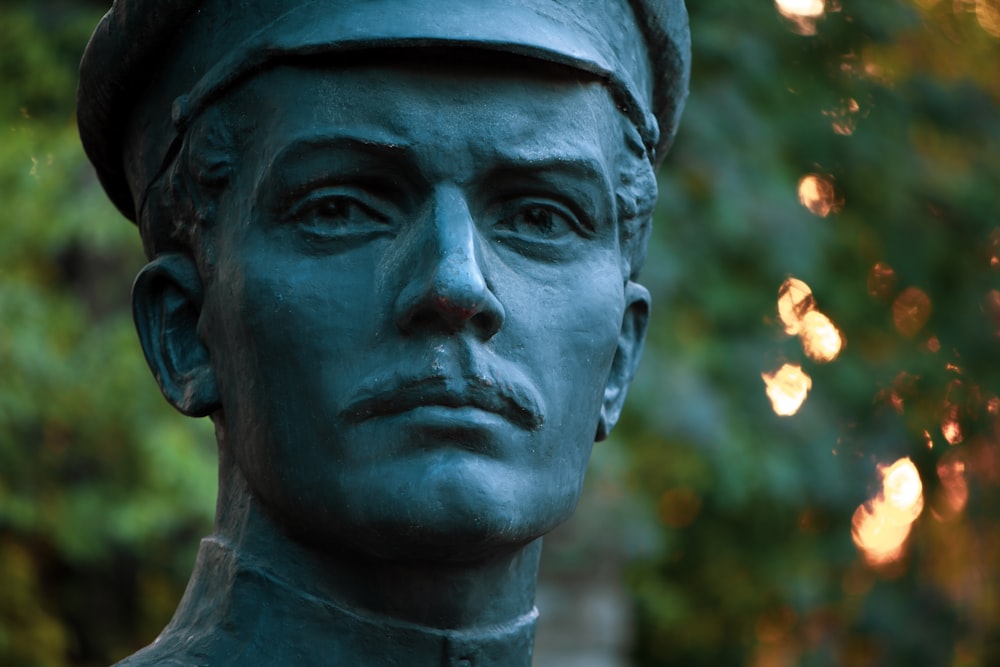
{"points": [[851, 146], [103, 490]]}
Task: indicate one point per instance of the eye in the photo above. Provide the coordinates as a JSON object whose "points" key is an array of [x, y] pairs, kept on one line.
{"points": [[340, 212], [539, 221]]}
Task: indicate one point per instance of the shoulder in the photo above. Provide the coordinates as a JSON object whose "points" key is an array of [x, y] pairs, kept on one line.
{"points": [[165, 653]]}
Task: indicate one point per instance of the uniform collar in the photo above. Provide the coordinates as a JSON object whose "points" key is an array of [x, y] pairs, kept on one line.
{"points": [[236, 612]]}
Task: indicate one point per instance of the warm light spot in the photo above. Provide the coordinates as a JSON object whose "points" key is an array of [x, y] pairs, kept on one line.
{"points": [[954, 490], [795, 300], [933, 344], [992, 307], [993, 405], [805, 8], [950, 428], [844, 127], [679, 507], [787, 388], [910, 311], [988, 16], [821, 339], [817, 194], [881, 541], [881, 526], [928, 440], [879, 74], [902, 490], [803, 14], [952, 432], [984, 459], [902, 386], [842, 118], [881, 281], [995, 248]]}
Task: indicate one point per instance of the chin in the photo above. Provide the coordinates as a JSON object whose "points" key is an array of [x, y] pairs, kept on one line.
{"points": [[443, 532], [454, 544], [446, 505]]}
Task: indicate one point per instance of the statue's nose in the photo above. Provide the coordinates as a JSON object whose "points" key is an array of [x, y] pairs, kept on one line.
{"points": [[447, 290]]}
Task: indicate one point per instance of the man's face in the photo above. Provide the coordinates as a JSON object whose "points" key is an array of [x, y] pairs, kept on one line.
{"points": [[416, 301]]}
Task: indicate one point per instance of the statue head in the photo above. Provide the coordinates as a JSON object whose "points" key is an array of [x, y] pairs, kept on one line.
{"points": [[394, 246]]}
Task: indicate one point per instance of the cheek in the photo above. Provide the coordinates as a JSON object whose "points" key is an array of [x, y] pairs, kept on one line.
{"points": [[575, 337]]}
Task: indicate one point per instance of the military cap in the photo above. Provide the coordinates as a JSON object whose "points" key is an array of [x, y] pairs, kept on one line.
{"points": [[152, 65]]}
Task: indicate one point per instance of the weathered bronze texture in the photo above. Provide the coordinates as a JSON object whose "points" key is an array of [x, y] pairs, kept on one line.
{"points": [[393, 255]]}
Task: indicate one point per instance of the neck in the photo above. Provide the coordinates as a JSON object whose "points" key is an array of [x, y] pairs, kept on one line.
{"points": [[491, 590]]}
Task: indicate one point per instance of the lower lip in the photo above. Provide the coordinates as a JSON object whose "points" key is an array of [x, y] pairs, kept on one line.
{"points": [[444, 416], [433, 427]]}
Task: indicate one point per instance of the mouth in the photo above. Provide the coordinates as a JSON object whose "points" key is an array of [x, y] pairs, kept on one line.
{"points": [[514, 403]]}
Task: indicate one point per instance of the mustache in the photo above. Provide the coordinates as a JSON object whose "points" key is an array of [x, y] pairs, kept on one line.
{"points": [[514, 401]]}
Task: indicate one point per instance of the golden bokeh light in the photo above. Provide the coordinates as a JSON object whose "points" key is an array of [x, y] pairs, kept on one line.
{"points": [[821, 340], [880, 527], [903, 490], [802, 14], [881, 281], [817, 194], [910, 311], [995, 249], [787, 388], [928, 440], [880, 540], [950, 428], [954, 489], [795, 300], [843, 119], [988, 16], [801, 8], [991, 305], [902, 386]]}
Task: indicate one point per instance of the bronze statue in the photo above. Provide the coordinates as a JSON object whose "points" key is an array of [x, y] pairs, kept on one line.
{"points": [[393, 249]]}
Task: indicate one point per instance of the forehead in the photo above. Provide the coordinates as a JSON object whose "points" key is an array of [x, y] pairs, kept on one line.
{"points": [[456, 117]]}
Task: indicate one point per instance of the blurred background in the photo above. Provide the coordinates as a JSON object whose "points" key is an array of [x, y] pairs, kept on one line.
{"points": [[808, 469]]}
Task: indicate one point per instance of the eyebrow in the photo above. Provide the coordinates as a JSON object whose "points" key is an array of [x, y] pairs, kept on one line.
{"points": [[385, 147], [584, 167]]}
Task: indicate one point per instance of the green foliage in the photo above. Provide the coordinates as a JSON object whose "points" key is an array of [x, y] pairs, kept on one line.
{"points": [[103, 489], [896, 105]]}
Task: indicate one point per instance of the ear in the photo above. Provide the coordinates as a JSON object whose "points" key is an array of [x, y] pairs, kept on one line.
{"points": [[166, 304], [630, 341]]}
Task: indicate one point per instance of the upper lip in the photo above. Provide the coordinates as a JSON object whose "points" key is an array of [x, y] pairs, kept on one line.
{"points": [[514, 401]]}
